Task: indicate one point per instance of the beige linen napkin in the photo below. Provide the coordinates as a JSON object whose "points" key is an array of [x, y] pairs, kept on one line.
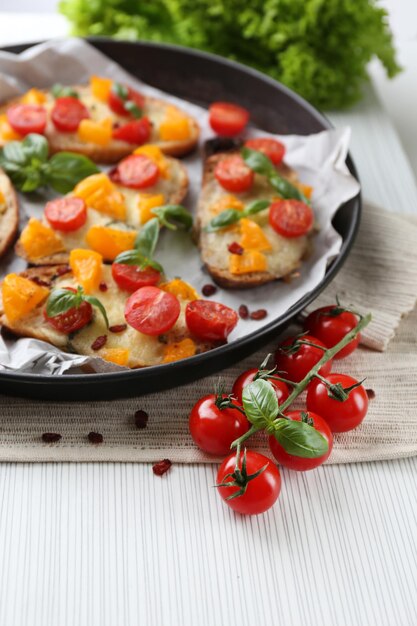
{"points": [[379, 275]]}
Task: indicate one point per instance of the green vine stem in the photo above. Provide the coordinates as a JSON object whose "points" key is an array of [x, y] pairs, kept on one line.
{"points": [[298, 388]]}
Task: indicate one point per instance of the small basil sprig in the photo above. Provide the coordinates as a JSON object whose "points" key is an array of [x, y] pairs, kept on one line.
{"points": [[26, 163], [261, 164], [231, 216], [123, 93], [143, 251], [62, 300], [62, 91], [173, 216], [262, 410]]}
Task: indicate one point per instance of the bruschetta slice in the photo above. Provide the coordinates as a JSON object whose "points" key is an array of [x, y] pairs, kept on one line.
{"points": [[9, 213]]}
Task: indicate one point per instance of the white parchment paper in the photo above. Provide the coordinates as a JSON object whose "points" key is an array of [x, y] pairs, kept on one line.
{"points": [[319, 160]]}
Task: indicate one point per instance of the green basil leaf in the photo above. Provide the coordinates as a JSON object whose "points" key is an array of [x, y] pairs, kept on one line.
{"points": [[66, 169], [133, 257], [224, 219], [286, 189], [300, 439], [147, 238], [256, 207], [62, 91], [173, 215], [31, 179], [96, 302], [258, 161], [260, 402], [14, 152], [60, 301], [35, 146], [133, 109], [120, 90]]}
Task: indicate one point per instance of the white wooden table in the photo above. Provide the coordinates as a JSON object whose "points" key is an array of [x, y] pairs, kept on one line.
{"points": [[112, 545]]}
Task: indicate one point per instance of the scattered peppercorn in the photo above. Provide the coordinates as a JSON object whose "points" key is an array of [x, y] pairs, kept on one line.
{"points": [[51, 437], [95, 437], [103, 287], [243, 312], [370, 393], [235, 248], [118, 328], [260, 314], [209, 290], [141, 419], [160, 468], [99, 342]]}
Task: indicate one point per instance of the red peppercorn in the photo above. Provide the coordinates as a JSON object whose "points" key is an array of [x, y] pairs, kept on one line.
{"points": [[51, 437], [99, 342], [103, 287], [118, 328], [370, 393], [160, 468], [260, 314], [141, 419], [243, 312], [209, 290], [235, 248], [95, 437]]}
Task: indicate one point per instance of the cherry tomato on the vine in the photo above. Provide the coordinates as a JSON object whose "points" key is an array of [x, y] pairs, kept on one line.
{"points": [[330, 327], [295, 366], [261, 492], [341, 416], [214, 429], [227, 119], [300, 463], [281, 389]]}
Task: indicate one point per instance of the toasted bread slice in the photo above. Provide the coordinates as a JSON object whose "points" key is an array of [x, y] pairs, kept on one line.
{"points": [[285, 255], [173, 186], [155, 109], [9, 213], [140, 350]]}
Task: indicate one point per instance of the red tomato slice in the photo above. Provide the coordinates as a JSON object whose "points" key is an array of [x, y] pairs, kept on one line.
{"points": [[73, 319], [117, 104], [272, 148], [131, 277], [136, 132], [68, 113], [136, 171], [210, 321], [233, 174], [291, 218], [27, 118], [227, 119], [152, 311], [66, 214]]}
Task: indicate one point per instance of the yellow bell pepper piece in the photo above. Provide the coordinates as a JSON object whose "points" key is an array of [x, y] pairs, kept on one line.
{"points": [[99, 133], [99, 193], [20, 296], [175, 126], [157, 156], [227, 202], [100, 87], [86, 266], [120, 356], [306, 189], [39, 240], [33, 96], [6, 131], [248, 262], [180, 289], [179, 350], [110, 242], [147, 202], [253, 237]]}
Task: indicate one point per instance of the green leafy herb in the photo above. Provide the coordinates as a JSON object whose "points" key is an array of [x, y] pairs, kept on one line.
{"points": [[173, 216], [62, 300], [231, 216], [65, 169], [319, 49], [62, 91], [300, 439], [133, 109], [133, 257], [260, 403], [147, 238], [120, 91]]}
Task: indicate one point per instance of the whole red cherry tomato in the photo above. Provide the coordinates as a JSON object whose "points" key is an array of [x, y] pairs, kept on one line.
{"points": [[136, 171], [227, 119], [131, 277], [214, 429], [272, 148], [340, 416], [73, 319], [233, 174], [27, 118], [281, 389], [152, 311], [66, 214], [261, 492], [300, 463], [295, 366], [210, 321], [67, 114], [330, 327], [291, 218], [136, 132]]}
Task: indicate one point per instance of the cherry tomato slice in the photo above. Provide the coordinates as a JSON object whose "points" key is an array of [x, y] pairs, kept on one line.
{"points": [[233, 174], [214, 429], [68, 113], [299, 463], [66, 214], [273, 149], [295, 366], [136, 171], [227, 119], [210, 321], [73, 319], [117, 104], [152, 311], [281, 389], [27, 118], [136, 132], [131, 277], [331, 328], [261, 493], [340, 416], [291, 218]]}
